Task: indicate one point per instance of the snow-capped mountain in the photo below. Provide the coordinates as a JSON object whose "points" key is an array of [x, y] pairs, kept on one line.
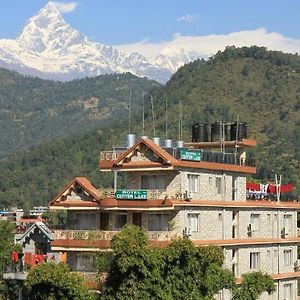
{"points": [[50, 48]]}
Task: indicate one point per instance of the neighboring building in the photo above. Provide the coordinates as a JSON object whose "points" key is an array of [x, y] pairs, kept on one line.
{"points": [[184, 191]]}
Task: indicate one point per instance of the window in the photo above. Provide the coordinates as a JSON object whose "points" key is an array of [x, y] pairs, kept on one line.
{"points": [[254, 260], [86, 221], [193, 222], [153, 182], [158, 222], [287, 257], [193, 181], [287, 291], [85, 263], [219, 185], [254, 221], [210, 180], [287, 223], [121, 220]]}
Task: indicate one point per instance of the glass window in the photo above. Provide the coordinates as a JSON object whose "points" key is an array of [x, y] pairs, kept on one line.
{"points": [[158, 222], [85, 263], [287, 257], [193, 222], [287, 291], [121, 220], [287, 223], [153, 182], [219, 185], [86, 221], [193, 182], [254, 260], [255, 222]]}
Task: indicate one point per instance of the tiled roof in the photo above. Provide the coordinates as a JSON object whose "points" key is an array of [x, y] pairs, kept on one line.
{"points": [[168, 158], [85, 184]]}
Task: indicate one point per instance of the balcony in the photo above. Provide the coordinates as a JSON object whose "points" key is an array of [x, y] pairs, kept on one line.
{"points": [[135, 194], [108, 235]]}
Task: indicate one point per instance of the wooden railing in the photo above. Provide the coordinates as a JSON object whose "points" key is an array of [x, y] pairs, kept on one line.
{"points": [[108, 235], [151, 194]]}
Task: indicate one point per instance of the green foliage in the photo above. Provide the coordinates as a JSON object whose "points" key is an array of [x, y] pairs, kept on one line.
{"points": [[56, 219], [253, 285], [33, 110], [6, 242], [180, 271], [54, 281]]}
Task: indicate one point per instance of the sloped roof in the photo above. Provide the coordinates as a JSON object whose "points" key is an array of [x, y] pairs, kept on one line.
{"points": [[41, 227], [160, 152], [84, 183]]}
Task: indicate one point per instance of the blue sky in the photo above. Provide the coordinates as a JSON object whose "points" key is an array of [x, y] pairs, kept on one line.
{"points": [[129, 21]]}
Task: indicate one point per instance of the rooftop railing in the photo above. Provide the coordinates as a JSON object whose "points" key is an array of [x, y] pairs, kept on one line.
{"points": [[108, 235]]}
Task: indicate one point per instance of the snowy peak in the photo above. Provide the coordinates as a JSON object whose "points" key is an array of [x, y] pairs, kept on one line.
{"points": [[48, 47], [47, 30]]}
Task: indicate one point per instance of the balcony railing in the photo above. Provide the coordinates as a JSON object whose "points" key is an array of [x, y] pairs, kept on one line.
{"points": [[108, 235], [151, 194]]}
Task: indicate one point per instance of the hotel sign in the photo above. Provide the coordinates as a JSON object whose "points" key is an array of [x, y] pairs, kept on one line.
{"points": [[191, 155], [131, 194]]}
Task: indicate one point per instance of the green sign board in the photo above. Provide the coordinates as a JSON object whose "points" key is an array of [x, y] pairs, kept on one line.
{"points": [[191, 155], [131, 194]]}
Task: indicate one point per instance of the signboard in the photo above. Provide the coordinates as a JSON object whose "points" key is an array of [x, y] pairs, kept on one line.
{"points": [[131, 194], [191, 155]]}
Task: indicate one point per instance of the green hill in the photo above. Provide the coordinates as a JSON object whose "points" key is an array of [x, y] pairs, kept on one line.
{"points": [[260, 86], [34, 110]]}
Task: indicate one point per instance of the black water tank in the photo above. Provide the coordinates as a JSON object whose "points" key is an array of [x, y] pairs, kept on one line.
{"points": [[202, 132], [216, 130], [208, 132], [239, 131], [227, 131], [195, 132]]}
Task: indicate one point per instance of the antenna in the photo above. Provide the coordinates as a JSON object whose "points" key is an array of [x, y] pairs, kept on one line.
{"points": [[153, 120], [143, 130], [180, 123], [129, 113], [166, 118]]}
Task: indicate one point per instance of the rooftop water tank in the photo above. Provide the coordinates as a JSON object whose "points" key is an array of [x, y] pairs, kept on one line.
{"points": [[130, 140]]}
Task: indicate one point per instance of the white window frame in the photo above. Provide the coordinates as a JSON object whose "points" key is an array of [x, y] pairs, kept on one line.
{"points": [[287, 257], [254, 260], [193, 183], [194, 226], [288, 222], [287, 291], [255, 221]]}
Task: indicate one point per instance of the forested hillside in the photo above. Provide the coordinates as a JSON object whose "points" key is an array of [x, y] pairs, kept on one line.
{"points": [[34, 110], [259, 86]]}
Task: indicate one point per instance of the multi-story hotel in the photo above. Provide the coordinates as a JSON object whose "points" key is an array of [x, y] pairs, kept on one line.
{"points": [[185, 190]]}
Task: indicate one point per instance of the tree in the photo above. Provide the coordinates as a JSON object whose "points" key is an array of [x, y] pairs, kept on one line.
{"points": [[56, 219], [253, 285], [6, 248], [6, 242], [179, 271], [54, 281]]}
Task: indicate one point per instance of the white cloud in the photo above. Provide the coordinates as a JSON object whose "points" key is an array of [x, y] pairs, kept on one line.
{"points": [[65, 7], [207, 45], [188, 18]]}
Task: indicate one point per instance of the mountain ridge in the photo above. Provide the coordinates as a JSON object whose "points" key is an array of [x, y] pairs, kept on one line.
{"points": [[48, 47]]}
